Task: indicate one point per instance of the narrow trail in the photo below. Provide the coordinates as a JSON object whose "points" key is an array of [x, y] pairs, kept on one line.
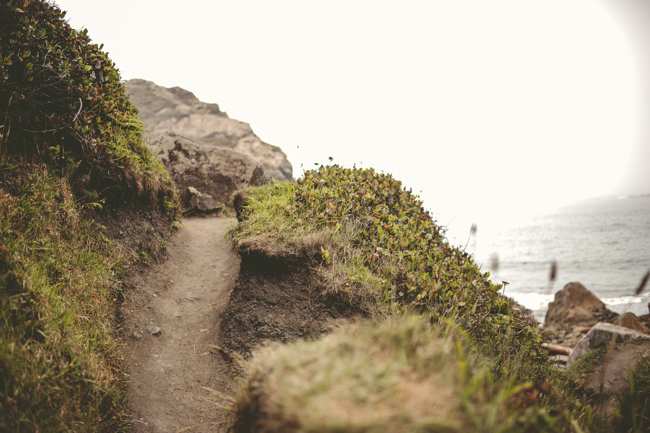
{"points": [[171, 317]]}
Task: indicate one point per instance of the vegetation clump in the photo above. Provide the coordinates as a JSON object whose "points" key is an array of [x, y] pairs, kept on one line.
{"points": [[60, 367], [371, 236], [62, 103], [364, 235]]}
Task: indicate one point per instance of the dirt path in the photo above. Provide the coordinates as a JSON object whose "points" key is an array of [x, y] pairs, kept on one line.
{"points": [[171, 317]]}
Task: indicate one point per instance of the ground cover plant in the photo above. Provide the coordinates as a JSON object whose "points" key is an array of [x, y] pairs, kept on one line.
{"points": [[371, 237], [62, 103], [70, 146], [365, 235]]}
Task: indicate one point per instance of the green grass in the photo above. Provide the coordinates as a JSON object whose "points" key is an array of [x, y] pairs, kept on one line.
{"points": [[62, 103], [630, 412], [70, 144], [634, 409], [60, 363]]}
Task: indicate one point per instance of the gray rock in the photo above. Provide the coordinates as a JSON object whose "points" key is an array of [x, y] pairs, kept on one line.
{"points": [[196, 202], [601, 334], [137, 335], [560, 359], [178, 111], [156, 331], [215, 171]]}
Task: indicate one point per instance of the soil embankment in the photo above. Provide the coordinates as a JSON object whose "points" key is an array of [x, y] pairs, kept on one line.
{"points": [[276, 300], [171, 320]]}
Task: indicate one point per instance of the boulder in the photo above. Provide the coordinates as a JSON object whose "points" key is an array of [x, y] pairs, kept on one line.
{"points": [[573, 306], [630, 320], [602, 334], [196, 202], [216, 171], [178, 111]]}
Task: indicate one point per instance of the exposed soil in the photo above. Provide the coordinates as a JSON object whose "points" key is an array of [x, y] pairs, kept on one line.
{"points": [[140, 229], [275, 299], [170, 321]]}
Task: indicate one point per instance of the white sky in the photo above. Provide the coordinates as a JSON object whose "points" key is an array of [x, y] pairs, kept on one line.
{"points": [[493, 110]]}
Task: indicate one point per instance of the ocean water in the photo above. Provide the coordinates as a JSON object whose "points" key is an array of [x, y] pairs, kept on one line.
{"points": [[602, 243]]}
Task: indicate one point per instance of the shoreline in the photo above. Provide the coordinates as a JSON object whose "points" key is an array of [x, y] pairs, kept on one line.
{"points": [[639, 306]]}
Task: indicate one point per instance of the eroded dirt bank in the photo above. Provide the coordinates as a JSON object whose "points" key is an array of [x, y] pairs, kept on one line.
{"points": [[275, 299], [171, 319]]}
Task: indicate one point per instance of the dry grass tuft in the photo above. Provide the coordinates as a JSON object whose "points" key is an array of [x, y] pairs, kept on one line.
{"points": [[391, 377], [399, 375]]}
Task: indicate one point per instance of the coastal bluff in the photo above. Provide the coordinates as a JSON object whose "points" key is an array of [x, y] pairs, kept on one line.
{"points": [[178, 111]]}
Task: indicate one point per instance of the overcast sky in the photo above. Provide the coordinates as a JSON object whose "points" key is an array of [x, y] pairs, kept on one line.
{"points": [[489, 110]]}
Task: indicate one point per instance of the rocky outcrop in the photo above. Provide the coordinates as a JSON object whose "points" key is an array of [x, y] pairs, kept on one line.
{"points": [[211, 170], [573, 306], [612, 375], [178, 111]]}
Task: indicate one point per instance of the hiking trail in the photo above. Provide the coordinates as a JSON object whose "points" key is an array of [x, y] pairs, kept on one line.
{"points": [[170, 320]]}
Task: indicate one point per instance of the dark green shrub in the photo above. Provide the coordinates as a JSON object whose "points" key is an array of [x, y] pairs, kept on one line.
{"points": [[62, 103]]}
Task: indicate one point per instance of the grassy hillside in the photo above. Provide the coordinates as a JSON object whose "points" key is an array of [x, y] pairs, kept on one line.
{"points": [[70, 145], [364, 235], [60, 369], [369, 237], [62, 103]]}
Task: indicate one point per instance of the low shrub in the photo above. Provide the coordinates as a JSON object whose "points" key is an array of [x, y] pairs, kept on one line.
{"points": [[62, 103], [70, 144], [366, 234]]}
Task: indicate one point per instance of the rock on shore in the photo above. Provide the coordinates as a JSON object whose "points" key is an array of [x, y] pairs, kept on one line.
{"points": [[579, 324], [572, 313]]}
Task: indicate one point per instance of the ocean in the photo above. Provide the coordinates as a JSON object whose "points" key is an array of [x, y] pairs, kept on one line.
{"points": [[603, 243]]}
